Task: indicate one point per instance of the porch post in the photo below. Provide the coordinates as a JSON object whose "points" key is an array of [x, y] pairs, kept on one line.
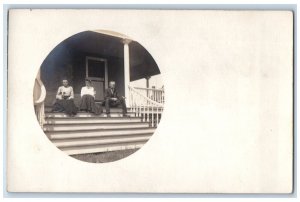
{"points": [[147, 84], [126, 68]]}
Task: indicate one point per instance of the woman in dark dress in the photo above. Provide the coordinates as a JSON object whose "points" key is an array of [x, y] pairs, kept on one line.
{"points": [[88, 99], [65, 100]]}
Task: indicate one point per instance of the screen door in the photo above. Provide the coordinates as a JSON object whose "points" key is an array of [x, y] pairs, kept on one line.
{"points": [[96, 71]]}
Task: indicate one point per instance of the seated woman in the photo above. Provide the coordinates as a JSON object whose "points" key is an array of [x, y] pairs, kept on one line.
{"points": [[65, 100], [88, 99]]}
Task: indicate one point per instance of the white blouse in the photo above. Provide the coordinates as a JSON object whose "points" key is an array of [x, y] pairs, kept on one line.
{"points": [[65, 91], [88, 91]]}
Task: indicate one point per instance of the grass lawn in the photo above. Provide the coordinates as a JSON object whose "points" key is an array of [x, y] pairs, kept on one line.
{"points": [[104, 157]]}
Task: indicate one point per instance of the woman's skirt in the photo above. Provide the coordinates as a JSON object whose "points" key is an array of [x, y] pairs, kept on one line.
{"points": [[66, 106], [88, 104]]}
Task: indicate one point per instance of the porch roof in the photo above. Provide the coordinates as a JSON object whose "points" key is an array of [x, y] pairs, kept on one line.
{"points": [[112, 33], [110, 44]]}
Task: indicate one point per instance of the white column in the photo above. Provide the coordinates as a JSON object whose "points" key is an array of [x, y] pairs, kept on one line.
{"points": [[126, 69]]}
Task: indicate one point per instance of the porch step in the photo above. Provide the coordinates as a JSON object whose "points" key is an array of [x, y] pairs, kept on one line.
{"points": [[102, 148], [93, 126], [89, 133], [112, 109], [85, 114], [56, 135], [91, 120], [100, 141]]}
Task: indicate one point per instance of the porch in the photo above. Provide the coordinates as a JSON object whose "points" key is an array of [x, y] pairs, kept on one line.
{"points": [[100, 56]]}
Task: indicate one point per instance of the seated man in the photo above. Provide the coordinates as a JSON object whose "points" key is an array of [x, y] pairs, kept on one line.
{"points": [[113, 99]]}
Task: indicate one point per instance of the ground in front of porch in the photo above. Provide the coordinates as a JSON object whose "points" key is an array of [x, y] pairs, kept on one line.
{"points": [[104, 157]]}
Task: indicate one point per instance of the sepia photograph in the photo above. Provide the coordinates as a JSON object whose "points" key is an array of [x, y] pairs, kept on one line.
{"points": [[98, 96]]}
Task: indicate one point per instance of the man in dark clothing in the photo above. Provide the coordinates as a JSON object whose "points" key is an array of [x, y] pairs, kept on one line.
{"points": [[113, 99]]}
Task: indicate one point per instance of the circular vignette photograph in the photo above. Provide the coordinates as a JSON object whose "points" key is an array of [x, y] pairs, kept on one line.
{"points": [[98, 96]]}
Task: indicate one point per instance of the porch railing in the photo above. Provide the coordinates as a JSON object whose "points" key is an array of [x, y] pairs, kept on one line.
{"points": [[157, 95], [39, 98], [144, 107]]}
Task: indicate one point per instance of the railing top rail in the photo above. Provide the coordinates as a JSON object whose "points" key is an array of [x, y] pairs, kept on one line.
{"points": [[146, 98], [154, 89], [43, 93]]}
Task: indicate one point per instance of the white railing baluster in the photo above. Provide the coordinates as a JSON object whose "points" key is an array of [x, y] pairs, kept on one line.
{"points": [[140, 112], [159, 98], [152, 117], [148, 115], [141, 104], [147, 110], [157, 116], [130, 100], [144, 112], [151, 93]]}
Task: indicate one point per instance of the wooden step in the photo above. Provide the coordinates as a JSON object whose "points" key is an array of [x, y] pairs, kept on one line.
{"points": [[84, 114], [100, 141], [55, 135], [102, 148], [113, 109], [99, 126], [119, 110], [86, 120]]}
